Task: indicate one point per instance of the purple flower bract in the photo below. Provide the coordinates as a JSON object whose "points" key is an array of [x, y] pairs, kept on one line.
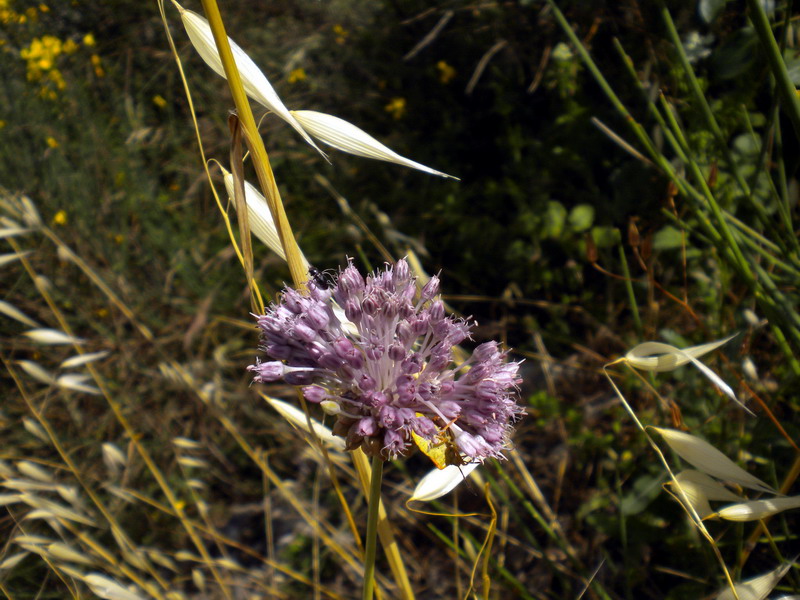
{"points": [[379, 355]]}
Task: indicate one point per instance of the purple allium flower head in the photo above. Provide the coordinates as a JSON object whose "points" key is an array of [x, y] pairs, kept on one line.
{"points": [[382, 353]]}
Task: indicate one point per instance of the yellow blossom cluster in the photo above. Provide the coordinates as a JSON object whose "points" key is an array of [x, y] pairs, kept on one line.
{"points": [[341, 34], [296, 75], [9, 16], [446, 72], [396, 108], [43, 54]]}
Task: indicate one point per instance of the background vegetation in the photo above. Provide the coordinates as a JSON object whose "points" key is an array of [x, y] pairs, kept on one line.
{"points": [[585, 221]]}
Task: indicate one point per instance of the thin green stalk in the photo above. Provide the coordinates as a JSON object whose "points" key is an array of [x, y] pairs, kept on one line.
{"points": [[784, 188], [372, 527], [556, 536], [623, 533], [715, 237], [785, 87], [762, 167], [723, 235], [700, 98], [626, 272], [519, 519], [504, 573], [638, 130]]}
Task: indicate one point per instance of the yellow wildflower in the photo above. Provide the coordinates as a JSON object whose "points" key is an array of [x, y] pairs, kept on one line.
{"points": [[60, 218], [397, 107], [119, 238], [2, 123], [101, 312], [159, 101], [69, 47], [44, 8], [97, 64], [296, 75], [446, 72], [341, 34], [53, 143], [56, 77], [88, 40]]}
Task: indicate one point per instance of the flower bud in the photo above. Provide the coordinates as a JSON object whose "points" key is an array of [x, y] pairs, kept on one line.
{"points": [[315, 393], [267, 371], [401, 272], [430, 289]]}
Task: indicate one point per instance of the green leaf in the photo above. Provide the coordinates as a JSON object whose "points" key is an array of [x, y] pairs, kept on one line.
{"points": [[668, 238], [581, 217], [605, 237], [554, 218], [709, 9]]}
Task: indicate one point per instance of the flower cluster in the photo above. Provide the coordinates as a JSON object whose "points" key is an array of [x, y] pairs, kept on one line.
{"points": [[379, 355]]}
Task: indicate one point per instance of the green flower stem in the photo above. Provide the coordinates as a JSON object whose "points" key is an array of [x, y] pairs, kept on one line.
{"points": [[784, 188], [784, 85], [372, 527], [256, 145], [626, 272]]}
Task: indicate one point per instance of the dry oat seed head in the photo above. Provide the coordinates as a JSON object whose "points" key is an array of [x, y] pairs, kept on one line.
{"points": [[82, 359], [108, 589], [440, 482], [62, 551], [345, 136], [77, 383], [755, 510], [186, 443], [113, 457], [12, 561], [709, 460], [657, 357], [12, 231], [33, 428], [710, 488], [259, 217], [12, 311], [34, 471], [298, 419], [254, 81], [38, 372], [756, 588], [12, 256], [52, 337]]}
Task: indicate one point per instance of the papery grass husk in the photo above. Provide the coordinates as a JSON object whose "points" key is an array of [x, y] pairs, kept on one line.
{"points": [[709, 460]]}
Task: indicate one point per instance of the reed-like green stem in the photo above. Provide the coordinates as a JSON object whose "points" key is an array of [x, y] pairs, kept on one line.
{"points": [[700, 99], [372, 527], [784, 86], [626, 272]]}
